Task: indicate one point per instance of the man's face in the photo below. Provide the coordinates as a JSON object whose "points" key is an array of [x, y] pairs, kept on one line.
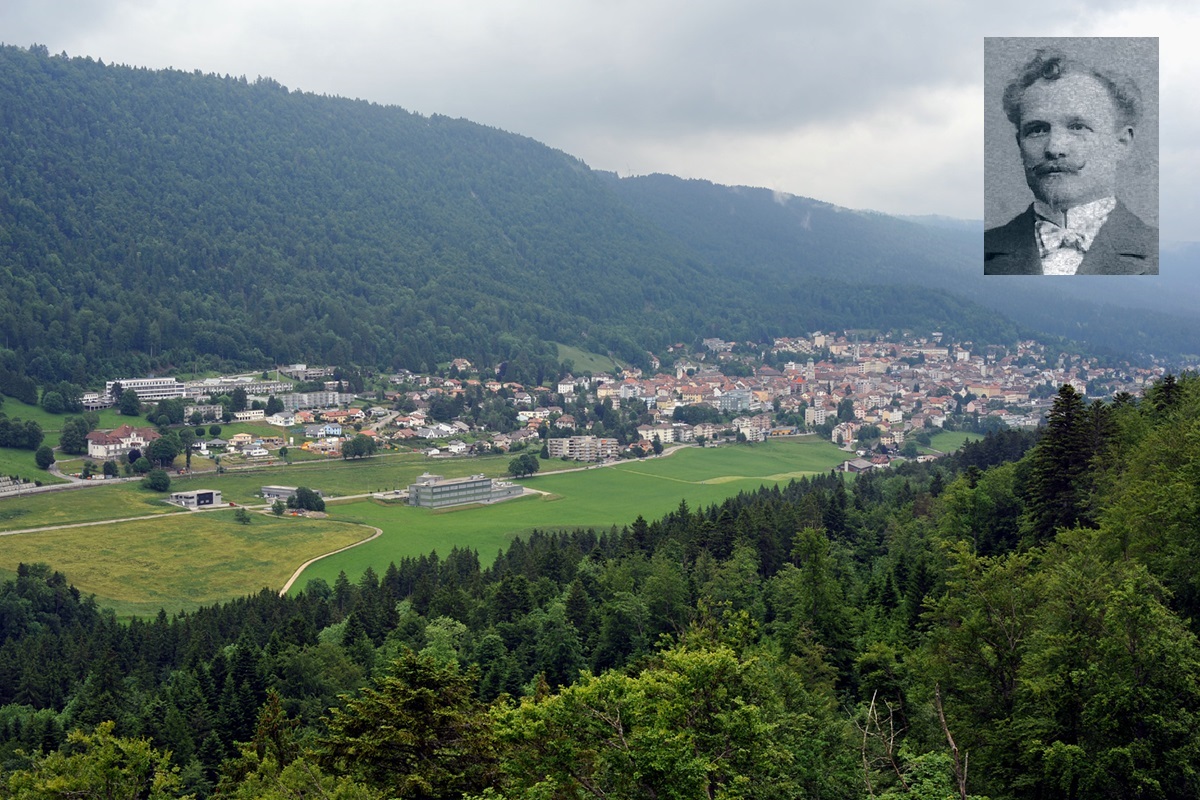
{"points": [[1070, 142]]}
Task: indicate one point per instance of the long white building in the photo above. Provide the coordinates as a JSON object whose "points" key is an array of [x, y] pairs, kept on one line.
{"points": [[148, 389]]}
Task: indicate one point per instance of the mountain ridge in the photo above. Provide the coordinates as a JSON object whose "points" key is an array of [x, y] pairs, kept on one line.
{"points": [[154, 219]]}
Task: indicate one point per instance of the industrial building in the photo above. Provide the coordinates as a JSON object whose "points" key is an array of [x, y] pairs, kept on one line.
{"points": [[284, 493], [434, 491], [197, 498]]}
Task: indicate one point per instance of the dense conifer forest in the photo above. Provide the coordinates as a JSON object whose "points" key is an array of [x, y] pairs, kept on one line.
{"points": [[157, 220], [1014, 621]]}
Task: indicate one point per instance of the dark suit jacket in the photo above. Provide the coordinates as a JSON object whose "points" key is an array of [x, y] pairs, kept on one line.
{"points": [[1124, 246]]}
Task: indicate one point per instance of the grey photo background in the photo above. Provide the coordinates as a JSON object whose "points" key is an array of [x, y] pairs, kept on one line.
{"points": [[1005, 192]]}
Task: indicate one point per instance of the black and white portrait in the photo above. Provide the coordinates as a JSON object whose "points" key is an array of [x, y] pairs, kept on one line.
{"points": [[1071, 149]]}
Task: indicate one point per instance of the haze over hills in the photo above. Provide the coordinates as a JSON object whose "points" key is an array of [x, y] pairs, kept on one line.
{"points": [[152, 220], [778, 237]]}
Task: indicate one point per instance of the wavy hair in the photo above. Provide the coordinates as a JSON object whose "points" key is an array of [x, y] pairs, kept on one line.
{"points": [[1050, 65]]}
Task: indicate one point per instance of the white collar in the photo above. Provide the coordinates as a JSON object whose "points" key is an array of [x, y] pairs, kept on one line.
{"points": [[1091, 214]]}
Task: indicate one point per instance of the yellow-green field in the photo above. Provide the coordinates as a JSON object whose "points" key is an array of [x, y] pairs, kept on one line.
{"points": [[334, 477], [179, 561], [110, 500], [338, 477]]}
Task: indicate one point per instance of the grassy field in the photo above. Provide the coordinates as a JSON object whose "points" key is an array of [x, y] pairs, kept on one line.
{"points": [[593, 498], [52, 423], [20, 463], [179, 562], [334, 477], [93, 504], [949, 441], [337, 477], [585, 361]]}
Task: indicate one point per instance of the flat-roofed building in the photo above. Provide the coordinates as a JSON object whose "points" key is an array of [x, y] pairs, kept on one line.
{"points": [[294, 401], [147, 389], [583, 448], [197, 498], [212, 411], [283, 492], [253, 387], [434, 491]]}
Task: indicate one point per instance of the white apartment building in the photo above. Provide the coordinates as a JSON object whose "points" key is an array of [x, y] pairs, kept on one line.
{"points": [[583, 448], [148, 389]]}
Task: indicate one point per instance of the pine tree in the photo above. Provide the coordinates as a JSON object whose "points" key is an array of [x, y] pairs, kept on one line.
{"points": [[1060, 478], [417, 732]]}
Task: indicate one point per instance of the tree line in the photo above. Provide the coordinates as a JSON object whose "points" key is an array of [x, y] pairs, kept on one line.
{"points": [[985, 625]]}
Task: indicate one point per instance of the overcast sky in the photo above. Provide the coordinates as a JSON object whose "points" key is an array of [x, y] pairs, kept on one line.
{"points": [[867, 104]]}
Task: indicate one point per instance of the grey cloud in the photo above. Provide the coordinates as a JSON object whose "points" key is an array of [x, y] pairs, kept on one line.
{"points": [[47, 22]]}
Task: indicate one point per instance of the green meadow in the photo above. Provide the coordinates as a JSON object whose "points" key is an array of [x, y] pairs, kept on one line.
{"points": [[597, 498], [52, 423], [94, 504], [949, 441], [21, 464], [337, 477], [334, 477], [180, 561], [585, 361]]}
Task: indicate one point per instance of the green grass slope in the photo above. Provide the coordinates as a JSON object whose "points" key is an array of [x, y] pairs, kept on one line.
{"points": [[598, 497]]}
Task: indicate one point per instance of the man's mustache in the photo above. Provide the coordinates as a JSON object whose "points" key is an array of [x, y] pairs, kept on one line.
{"points": [[1057, 168]]}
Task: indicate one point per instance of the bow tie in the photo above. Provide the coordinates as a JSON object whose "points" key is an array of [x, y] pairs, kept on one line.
{"points": [[1052, 237]]}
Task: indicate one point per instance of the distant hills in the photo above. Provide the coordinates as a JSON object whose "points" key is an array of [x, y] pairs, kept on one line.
{"points": [[780, 238], [152, 220]]}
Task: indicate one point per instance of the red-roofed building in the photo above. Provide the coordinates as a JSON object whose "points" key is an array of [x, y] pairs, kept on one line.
{"points": [[105, 445]]}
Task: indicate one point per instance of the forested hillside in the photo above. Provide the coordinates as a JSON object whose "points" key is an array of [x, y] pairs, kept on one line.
{"points": [[1015, 621], [158, 219], [773, 238]]}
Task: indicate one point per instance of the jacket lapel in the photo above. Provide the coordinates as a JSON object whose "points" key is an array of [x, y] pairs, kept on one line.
{"points": [[1122, 247]]}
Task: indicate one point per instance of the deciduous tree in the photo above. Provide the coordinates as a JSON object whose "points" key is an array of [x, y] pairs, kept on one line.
{"points": [[97, 765], [129, 404], [699, 721], [73, 437], [157, 480], [44, 457]]}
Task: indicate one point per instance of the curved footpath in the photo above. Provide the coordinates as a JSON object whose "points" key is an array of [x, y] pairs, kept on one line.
{"points": [[299, 570], [295, 575], [311, 561], [90, 524]]}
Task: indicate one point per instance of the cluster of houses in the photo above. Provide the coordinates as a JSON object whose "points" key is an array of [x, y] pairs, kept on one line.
{"points": [[114, 444], [894, 387]]}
